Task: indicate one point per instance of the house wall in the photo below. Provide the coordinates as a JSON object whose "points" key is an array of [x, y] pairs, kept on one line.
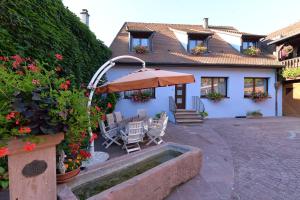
{"points": [[234, 105], [234, 41]]}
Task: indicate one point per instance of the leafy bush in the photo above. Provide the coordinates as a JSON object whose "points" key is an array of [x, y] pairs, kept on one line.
{"points": [[39, 29], [203, 114], [291, 73], [215, 96], [199, 49], [255, 113], [252, 51]]}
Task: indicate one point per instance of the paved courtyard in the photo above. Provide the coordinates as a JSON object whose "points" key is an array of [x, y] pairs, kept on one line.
{"points": [[244, 159]]}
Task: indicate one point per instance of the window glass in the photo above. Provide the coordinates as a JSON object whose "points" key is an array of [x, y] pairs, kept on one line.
{"points": [[219, 85], [144, 42], [135, 42], [260, 85], [206, 86], [248, 86]]}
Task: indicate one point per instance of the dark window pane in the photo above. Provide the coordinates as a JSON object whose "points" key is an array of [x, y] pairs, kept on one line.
{"points": [[206, 86], [220, 85], [260, 85], [248, 86]]}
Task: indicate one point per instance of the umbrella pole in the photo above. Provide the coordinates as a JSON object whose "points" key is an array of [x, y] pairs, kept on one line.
{"points": [[101, 156]]}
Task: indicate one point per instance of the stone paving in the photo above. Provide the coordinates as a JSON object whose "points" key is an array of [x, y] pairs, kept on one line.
{"points": [[244, 159]]}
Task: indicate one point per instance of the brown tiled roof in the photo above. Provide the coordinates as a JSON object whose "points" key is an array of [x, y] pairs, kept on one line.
{"points": [[234, 31], [290, 30], [168, 50]]}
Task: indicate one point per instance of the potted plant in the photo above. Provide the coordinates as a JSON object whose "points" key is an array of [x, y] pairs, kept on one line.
{"points": [[199, 49], [215, 96], [252, 51], [140, 49], [203, 114], [254, 114], [259, 96], [141, 97], [291, 73], [39, 108]]}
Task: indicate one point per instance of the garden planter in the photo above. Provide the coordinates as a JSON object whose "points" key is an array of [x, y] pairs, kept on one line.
{"points": [[63, 178], [254, 116], [32, 175]]}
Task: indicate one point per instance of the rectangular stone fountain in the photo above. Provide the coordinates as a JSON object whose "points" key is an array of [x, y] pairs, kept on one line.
{"points": [[146, 175]]}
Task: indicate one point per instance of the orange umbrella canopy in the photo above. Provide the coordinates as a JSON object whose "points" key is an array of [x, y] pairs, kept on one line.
{"points": [[146, 78]]}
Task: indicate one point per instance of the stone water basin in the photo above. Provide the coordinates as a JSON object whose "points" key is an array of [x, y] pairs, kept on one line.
{"points": [[146, 175]]}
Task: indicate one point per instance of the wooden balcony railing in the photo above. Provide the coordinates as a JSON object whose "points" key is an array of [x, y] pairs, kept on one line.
{"points": [[293, 62]]}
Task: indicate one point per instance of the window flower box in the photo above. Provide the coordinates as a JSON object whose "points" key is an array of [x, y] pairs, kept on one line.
{"points": [[199, 50], [140, 49], [215, 96], [252, 51], [141, 97], [259, 96], [291, 73]]}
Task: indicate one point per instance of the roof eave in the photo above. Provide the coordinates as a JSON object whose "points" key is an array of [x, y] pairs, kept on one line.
{"points": [[229, 65]]}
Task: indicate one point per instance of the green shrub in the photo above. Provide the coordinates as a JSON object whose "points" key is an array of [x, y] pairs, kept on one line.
{"points": [[252, 51], [291, 73], [40, 29]]}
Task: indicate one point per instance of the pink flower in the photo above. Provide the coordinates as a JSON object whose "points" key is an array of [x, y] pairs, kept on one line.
{"points": [[35, 82], [109, 105], [32, 68], [29, 146], [64, 86], [3, 151], [58, 56]]}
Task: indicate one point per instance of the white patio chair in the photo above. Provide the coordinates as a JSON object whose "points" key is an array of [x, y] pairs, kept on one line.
{"points": [[142, 113], [133, 134], [118, 117], [111, 136], [111, 121], [163, 116], [157, 131]]}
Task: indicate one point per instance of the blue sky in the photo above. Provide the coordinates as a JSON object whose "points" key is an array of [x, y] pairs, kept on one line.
{"points": [[255, 16]]}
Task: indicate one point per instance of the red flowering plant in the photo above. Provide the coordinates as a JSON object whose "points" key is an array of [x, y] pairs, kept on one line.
{"points": [[37, 101]]}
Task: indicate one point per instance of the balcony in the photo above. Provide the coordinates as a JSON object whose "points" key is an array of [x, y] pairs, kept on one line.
{"points": [[291, 63]]}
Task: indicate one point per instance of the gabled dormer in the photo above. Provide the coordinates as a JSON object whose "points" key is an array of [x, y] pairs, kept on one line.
{"points": [[139, 39], [192, 39]]}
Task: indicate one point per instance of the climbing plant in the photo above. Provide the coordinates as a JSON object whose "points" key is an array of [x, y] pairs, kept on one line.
{"points": [[40, 29]]}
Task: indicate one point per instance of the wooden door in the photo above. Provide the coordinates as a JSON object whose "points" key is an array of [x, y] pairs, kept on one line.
{"points": [[180, 96], [291, 99]]}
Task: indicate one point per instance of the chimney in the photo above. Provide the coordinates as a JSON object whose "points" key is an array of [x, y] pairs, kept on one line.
{"points": [[205, 23], [85, 16]]}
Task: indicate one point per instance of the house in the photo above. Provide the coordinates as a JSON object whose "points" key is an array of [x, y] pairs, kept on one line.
{"points": [[216, 55], [285, 46]]}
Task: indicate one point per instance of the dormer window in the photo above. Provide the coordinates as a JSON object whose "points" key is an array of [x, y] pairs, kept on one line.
{"points": [[197, 43], [141, 40], [250, 41]]}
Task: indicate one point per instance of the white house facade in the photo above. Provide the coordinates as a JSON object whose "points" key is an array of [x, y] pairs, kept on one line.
{"points": [[221, 68]]}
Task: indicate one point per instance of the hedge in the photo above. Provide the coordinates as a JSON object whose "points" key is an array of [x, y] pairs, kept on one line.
{"points": [[42, 28]]}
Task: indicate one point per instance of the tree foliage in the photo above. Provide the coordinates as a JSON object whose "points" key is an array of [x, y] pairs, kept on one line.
{"points": [[40, 29]]}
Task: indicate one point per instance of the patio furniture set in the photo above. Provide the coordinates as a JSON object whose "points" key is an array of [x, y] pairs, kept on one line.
{"points": [[133, 131]]}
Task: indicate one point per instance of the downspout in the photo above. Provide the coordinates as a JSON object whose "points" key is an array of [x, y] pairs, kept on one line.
{"points": [[276, 85]]}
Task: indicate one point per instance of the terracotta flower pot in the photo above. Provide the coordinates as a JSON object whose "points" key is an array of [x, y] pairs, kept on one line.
{"points": [[63, 178]]}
